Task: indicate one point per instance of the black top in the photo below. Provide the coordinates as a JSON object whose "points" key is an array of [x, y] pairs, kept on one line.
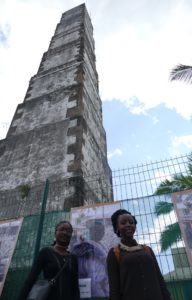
{"points": [[136, 276], [50, 262]]}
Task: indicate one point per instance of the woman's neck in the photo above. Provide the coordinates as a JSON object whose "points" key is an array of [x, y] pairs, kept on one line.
{"points": [[60, 249], [129, 241]]}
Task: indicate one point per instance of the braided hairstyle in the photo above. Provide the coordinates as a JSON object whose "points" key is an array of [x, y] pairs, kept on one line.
{"points": [[115, 216]]}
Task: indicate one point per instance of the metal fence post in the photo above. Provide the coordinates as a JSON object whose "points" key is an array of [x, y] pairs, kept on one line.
{"points": [[41, 219]]}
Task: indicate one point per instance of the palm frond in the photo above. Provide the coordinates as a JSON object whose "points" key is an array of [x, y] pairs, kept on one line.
{"points": [[166, 186], [181, 72], [178, 183], [190, 168], [170, 236], [182, 182], [163, 208], [190, 163]]}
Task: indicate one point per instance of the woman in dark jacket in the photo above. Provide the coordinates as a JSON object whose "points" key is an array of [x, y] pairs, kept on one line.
{"points": [[133, 270], [50, 260]]}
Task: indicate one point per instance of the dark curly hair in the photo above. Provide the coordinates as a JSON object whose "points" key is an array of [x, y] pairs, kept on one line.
{"points": [[114, 219], [63, 222]]}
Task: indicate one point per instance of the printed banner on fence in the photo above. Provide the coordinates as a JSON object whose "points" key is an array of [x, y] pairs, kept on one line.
{"points": [[9, 231], [93, 237], [183, 206]]}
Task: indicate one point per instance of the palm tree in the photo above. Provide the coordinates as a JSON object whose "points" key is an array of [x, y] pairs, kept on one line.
{"points": [[181, 72], [172, 233]]}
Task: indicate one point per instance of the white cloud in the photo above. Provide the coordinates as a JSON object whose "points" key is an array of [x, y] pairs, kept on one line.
{"points": [[155, 120], [186, 140], [140, 59], [179, 144], [135, 106], [116, 152]]}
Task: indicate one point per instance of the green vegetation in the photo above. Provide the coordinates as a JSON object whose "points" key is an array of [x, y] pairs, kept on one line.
{"points": [[172, 233], [24, 188]]}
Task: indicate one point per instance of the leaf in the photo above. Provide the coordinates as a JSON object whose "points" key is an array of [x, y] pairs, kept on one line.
{"points": [[170, 236], [167, 186], [178, 183], [163, 207], [181, 72]]}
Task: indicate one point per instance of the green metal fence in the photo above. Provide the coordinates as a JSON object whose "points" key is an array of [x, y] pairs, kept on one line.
{"points": [[25, 249], [134, 188]]}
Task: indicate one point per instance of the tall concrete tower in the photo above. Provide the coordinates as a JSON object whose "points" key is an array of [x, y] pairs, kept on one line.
{"points": [[57, 132]]}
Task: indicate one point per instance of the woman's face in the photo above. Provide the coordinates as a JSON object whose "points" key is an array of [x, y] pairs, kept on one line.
{"points": [[63, 234], [126, 226]]}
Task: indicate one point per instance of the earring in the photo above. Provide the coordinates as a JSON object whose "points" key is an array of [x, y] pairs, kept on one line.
{"points": [[54, 242]]}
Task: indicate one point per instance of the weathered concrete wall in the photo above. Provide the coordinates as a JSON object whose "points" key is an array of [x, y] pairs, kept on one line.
{"points": [[44, 110], [63, 54], [64, 38], [44, 84], [35, 155]]}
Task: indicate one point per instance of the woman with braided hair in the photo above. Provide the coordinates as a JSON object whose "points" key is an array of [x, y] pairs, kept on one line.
{"points": [[133, 270]]}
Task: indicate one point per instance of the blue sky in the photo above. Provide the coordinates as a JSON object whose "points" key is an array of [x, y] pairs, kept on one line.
{"points": [[146, 116], [135, 139]]}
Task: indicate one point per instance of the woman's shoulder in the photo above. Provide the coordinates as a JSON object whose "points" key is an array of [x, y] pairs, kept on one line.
{"points": [[45, 250], [113, 251], [147, 249], [113, 248], [42, 255]]}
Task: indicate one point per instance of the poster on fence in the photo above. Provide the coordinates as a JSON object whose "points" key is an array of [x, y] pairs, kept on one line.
{"points": [[183, 206], [93, 237], [9, 231]]}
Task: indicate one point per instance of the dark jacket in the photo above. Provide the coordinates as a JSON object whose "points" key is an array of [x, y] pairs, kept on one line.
{"points": [[50, 263], [136, 276]]}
